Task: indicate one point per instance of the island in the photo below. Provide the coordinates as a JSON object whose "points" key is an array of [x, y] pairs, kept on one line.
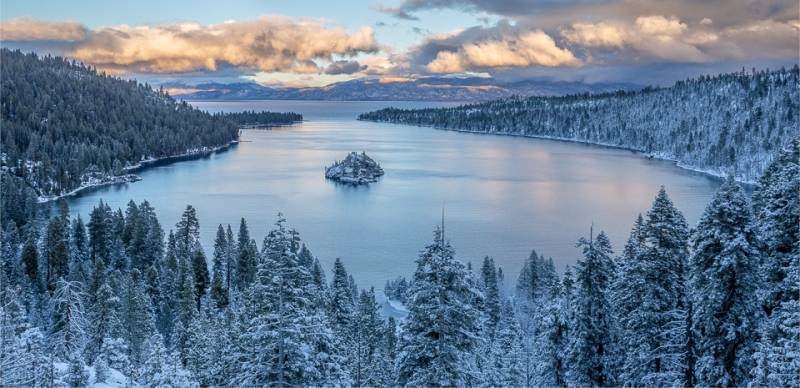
{"points": [[355, 168]]}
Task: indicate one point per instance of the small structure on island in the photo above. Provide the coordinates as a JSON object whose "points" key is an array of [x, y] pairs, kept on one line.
{"points": [[355, 168]]}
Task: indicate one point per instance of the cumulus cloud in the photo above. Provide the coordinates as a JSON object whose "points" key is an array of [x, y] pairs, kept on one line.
{"points": [[267, 44], [522, 50], [656, 38], [344, 67], [27, 28]]}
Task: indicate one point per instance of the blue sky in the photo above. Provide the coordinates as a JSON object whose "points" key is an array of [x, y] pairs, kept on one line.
{"points": [[302, 42]]}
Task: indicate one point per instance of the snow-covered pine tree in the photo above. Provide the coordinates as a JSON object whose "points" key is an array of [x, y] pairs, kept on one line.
{"points": [[161, 369], [440, 334], [550, 342], [187, 233], [650, 298], [491, 294], [200, 360], [247, 259], [593, 354], [230, 259], [367, 338], [135, 319], [341, 310], [77, 376], [102, 321], [776, 205], [723, 270], [202, 279], [504, 359], [219, 291], [287, 334], [69, 325]]}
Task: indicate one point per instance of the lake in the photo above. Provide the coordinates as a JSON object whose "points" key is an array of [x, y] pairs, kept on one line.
{"points": [[500, 196]]}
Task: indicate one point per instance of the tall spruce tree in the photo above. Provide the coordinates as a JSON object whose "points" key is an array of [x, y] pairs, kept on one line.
{"points": [[651, 298], [288, 340], [776, 206], [440, 334], [724, 272], [593, 354]]}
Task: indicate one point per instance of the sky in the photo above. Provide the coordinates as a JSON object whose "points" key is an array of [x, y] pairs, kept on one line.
{"points": [[315, 43]]}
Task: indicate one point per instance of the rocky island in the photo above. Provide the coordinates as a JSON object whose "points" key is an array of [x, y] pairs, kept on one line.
{"points": [[355, 168]]}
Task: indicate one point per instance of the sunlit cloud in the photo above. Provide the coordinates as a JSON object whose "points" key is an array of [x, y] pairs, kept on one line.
{"points": [[526, 49], [27, 28], [267, 44], [657, 38]]}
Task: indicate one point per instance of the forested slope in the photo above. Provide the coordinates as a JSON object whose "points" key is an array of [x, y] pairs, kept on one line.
{"points": [[64, 123], [731, 123]]}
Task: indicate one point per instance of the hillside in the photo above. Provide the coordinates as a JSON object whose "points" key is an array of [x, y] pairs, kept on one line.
{"points": [[66, 126], [728, 124], [424, 89]]}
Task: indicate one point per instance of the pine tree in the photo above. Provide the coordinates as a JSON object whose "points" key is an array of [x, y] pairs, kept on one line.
{"points": [[68, 333], [505, 367], [552, 335], [161, 369], [30, 261], [187, 233], [247, 259], [651, 299], [102, 320], [202, 278], [592, 353], [135, 319], [288, 335], [77, 376], [491, 293], [219, 290], [777, 209], [724, 273], [367, 338], [231, 254], [440, 334]]}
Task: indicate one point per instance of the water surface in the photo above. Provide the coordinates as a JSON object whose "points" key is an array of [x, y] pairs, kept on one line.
{"points": [[502, 196]]}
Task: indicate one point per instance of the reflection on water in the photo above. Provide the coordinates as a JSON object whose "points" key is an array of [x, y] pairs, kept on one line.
{"points": [[502, 196]]}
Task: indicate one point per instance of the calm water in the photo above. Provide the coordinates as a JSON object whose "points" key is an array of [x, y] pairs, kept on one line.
{"points": [[502, 196]]}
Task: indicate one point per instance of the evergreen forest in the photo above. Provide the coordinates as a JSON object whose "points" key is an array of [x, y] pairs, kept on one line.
{"points": [[725, 124], [66, 126]]}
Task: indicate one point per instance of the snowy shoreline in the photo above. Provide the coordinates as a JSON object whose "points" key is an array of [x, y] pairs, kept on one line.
{"points": [[128, 178], [655, 155]]}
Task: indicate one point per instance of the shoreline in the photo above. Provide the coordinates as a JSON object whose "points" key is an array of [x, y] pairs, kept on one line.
{"points": [[109, 180], [656, 155]]}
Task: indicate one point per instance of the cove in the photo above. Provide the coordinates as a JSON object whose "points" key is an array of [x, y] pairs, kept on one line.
{"points": [[501, 196]]}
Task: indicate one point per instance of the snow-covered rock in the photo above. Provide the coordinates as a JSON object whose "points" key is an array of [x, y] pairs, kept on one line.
{"points": [[355, 168]]}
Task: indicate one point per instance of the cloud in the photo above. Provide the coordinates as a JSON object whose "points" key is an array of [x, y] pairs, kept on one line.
{"points": [[344, 67], [27, 28], [267, 44], [522, 50], [657, 38], [397, 12]]}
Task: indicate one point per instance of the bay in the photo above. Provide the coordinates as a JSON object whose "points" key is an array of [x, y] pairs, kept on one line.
{"points": [[499, 196]]}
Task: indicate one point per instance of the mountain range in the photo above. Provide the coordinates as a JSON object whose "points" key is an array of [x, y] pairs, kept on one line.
{"points": [[473, 89]]}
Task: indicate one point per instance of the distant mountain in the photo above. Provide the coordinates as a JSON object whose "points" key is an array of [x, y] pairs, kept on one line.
{"points": [[424, 89]]}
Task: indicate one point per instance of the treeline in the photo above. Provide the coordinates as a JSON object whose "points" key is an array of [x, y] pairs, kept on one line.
{"points": [[714, 305], [64, 124], [726, 124], [263, 118]]}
